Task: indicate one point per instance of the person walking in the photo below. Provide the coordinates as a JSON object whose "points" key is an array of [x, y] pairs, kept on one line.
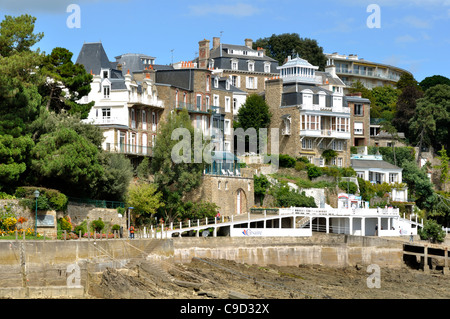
{"points": [[132, 232]]}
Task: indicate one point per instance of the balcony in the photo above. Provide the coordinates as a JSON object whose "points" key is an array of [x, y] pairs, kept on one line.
{"points": [[326, 134], [316, 107], [129, 149], [201, 109], [108, 120]]}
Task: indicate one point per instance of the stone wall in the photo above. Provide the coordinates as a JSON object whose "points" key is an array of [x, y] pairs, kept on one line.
{"points": [[80, 213], [331, 250], [223, 190]]}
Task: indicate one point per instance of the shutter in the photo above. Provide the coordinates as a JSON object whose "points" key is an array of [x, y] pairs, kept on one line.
{"points": [[256, 82]]}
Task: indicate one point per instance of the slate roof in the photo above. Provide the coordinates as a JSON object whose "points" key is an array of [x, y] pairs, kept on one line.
{"points": [[368, 164], [93, 57]]}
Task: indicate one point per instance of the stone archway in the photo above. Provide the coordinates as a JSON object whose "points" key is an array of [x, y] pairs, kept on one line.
{"points": [[241, 201]]}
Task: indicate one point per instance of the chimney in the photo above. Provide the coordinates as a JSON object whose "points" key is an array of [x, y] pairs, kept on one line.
{"points": [[203, 54], [249, 43], [216, 42], [331, 69]]}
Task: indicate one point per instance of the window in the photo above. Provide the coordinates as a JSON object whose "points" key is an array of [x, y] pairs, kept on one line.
{"points": [[133, 119], [234, 64], [307, 144], [144, 120], [218, 184], [106, 91], [211, 64], [227, 104], [393, 177], [105, 74], [360, 175], [235, 103], [337, 145], [235, 80], [199, 102], [106, 114], [227, 128], [267, 67], [251, 66], [227, 146], [227, 84], [359, 128], [216, 100], [216, 82], [340, 161], [359, 111], [207, 102], [310, 122], [252, 82]]}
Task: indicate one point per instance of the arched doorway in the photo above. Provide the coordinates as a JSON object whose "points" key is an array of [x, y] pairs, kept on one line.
{"points": [[241, 201]]}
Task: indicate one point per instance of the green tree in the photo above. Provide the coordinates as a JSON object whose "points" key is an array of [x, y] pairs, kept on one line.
{"points": [[432, 231], [67, 83], [406, 108], [431, 122], [144, 198], [419, 185], [285, 197], [261, 184], [67, 161], [175, 180], [443, 167], [253, 114], [434, 80], [118, 173], [17, 34], [279, 47]]}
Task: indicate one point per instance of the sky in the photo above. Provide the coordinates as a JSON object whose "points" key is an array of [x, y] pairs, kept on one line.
{"points": [[411, 34]]}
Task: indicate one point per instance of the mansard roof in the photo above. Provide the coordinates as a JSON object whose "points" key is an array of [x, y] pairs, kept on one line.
{"points": [[93, 57]]}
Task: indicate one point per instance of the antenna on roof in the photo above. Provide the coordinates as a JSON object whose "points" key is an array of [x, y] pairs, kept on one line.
{"points": [[172, 54], [221, 32]]}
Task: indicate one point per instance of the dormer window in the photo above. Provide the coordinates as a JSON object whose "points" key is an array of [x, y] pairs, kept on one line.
{"points": [[227, 84], [251, 66], [211, 64], [216, 82], [105, 74], [267, 67], [234, 64]]}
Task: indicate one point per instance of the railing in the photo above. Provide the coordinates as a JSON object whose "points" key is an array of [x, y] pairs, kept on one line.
{"points": [[97, 203], [194, 108], [129, 149]]}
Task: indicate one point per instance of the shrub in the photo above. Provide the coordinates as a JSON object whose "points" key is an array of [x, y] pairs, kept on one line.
{"points": [[64, 224], [432, 231], [313, 171], [98, 225], [300, 166], [303, 159], [48, 198], [286, 161], [82, 227], [351, 187], [115, 227]]}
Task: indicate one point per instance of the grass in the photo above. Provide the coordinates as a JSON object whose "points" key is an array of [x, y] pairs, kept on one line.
{"points": [[303, 183]]}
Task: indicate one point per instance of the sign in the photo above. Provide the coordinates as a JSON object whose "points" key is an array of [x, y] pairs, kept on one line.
{"points": [[45, 221]]}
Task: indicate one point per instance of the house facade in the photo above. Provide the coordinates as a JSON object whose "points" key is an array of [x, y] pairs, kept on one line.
{"points": [[126, 109], [311, 119]]}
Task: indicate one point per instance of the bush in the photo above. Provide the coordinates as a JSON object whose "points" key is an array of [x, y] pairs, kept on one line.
{"points": [[286, 161], [300, 166], [303, 159], [82, 227], [432, 231], [98, 225], [313, 171], [285, 197], [115, 227], [350, 187], [48, 198], [64, 224]]}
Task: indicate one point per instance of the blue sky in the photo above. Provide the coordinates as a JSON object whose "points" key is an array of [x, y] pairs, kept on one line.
{"points": [[414, 34]]}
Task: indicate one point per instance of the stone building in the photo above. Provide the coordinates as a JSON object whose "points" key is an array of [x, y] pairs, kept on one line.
{"points": [[311, 119], [247, 68], [360, 119]]}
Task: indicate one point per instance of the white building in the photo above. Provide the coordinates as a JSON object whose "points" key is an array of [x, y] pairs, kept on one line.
{"points": [[126, 108]]}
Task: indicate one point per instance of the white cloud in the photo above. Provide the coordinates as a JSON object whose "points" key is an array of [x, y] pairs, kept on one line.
{"points": [[405, 39], [44, 6], [416, 22], [237, 10], [395, 3]]}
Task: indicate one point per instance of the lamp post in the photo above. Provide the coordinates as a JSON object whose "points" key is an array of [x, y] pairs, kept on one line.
{"points": [[36, 195], [129, 219]]}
